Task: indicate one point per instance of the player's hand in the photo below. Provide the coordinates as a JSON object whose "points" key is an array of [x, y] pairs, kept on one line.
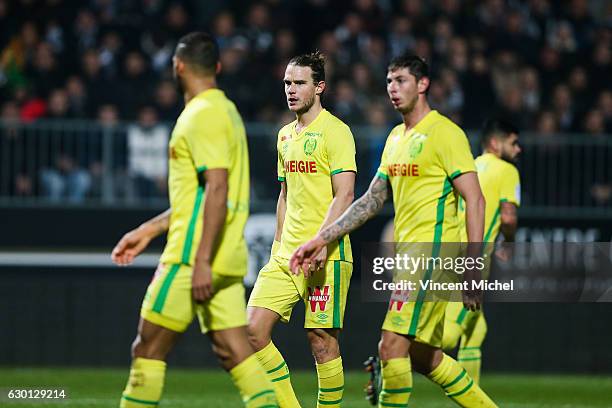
{"points": [[201, 281], [305, 256], [130, 246], [504, 251], [319, 261], [472, 297]]}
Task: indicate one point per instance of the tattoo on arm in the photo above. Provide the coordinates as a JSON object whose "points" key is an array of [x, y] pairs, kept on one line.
{"points": [[362, 210]]}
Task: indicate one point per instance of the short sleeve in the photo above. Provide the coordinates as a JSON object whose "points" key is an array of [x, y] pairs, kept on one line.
{"points": [[280, 168], [454, 153], [341, 151], [280, 162], [208, 139], [510, 186]]}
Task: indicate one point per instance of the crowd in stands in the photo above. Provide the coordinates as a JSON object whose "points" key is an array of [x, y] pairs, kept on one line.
{"points": [[544, 65]]}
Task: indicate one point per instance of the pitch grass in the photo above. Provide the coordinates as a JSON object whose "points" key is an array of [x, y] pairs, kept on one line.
{"points": [[213, 389]]}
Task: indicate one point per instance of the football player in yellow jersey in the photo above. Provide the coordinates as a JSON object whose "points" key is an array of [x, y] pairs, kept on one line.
{"points": [[426, 161], [501, 187], [204, 260], [316, 171]]}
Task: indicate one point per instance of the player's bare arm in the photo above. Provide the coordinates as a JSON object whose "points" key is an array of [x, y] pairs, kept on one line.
{"points": [[343, 186], [281, 209], [356, 215], [509, 221], [468, 187], [215, 210], [135, 241]]}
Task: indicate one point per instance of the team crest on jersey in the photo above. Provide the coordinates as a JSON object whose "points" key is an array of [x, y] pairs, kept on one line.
{"points": [[415, 147], [318, 297], [309, 146]]}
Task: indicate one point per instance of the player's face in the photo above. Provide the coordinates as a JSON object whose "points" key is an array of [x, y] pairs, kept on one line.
{"points": [[300, 89], [510, 148], [403, 89]]}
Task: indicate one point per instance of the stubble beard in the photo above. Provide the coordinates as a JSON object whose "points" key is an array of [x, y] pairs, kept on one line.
{"points": [[410, 107], [307, 105]]}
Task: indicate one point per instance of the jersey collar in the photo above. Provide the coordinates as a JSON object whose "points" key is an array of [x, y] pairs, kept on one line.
{"points": [[297, 135]]}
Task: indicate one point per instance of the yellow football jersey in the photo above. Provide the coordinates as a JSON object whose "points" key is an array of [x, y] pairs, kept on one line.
{"points": [[420, 165], [209, 134], [499, 181], [306, 162]]}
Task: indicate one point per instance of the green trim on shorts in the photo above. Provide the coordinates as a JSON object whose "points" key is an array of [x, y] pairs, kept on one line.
{"points": [[341, 248], [336, 320], [446, 190], [192, 224], [160, 300], [462, 315], [393, 404]]}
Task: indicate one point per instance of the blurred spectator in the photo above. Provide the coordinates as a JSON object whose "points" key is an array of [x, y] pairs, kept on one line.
{"points": [[604, 104], [345, 103], [547, 124], [85, 30], [147, 143], [77, 98], [134, 84], [57, 105], [400, 35], [530, 86], [594, 123], [110, 53], [44, 72], [167, 103], [563, 108]]}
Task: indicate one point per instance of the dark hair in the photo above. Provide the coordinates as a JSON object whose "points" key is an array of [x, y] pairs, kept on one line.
{"points": [[415, 64], [496, 127], [314, 60], [199, 50]]}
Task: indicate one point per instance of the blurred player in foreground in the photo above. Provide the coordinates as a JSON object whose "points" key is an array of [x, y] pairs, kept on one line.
{"points": [[426, 161], [501, 187], [316, 170], [205, 258]]}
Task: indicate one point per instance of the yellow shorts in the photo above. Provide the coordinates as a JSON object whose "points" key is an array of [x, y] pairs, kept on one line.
{"points": [[460, 323], [324, 293], [423, 321], [169, 302]]}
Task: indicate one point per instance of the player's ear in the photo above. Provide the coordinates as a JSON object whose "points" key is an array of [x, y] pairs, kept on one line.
{"points": [[423, 85], [320, 88], [179, 66], [218, 67]]}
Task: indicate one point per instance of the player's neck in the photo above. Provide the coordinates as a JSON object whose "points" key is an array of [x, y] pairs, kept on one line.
{"points": [[421, 109], [306, 118], [197, 85], [490, 151]]}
